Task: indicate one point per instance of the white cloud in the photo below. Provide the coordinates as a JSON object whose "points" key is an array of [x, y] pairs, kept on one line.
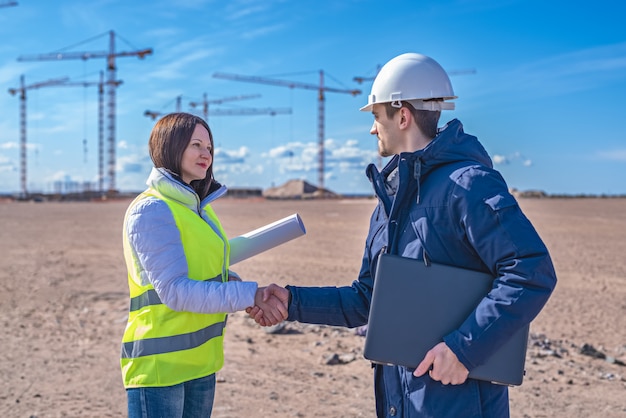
{"points": [[499, 159], [262, 31], [240, 169], [283, 151], [613, 155], [224, 156], [9, 145]]}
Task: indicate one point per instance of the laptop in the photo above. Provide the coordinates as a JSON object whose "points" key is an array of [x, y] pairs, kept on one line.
{"points": [[415, 305]]}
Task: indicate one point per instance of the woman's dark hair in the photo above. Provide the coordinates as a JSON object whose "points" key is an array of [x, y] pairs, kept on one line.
{"points": [[169, 139]]}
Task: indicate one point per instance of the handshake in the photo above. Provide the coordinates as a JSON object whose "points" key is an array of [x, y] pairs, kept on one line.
{"points": [[270, 305]]}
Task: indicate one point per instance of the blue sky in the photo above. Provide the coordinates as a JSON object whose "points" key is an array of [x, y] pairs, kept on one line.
{"points": [[546, 98]]}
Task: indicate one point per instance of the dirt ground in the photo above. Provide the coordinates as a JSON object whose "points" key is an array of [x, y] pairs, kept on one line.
{"points": [[63, 308]]}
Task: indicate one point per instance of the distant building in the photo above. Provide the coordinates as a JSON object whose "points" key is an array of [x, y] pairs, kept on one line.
{"points": [[243, 192]]}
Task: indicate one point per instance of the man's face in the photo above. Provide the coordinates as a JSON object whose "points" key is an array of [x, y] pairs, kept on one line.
{"points": [[386, 130]]}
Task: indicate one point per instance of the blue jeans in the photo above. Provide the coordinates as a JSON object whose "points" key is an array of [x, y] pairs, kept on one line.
{"points": [[192, 399]]}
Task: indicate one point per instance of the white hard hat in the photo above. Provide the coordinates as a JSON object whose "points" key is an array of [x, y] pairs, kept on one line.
{"points": [[414, 78]]}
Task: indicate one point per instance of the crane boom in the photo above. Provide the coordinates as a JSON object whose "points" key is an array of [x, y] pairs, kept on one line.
{"points": [[252, 111], [234, 112], [225, 99], [51, 82], [361, 80], [321, 89], [54, 56], [205, 102]]}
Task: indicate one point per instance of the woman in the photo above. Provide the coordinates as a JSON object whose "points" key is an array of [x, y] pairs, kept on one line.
{"points": [[180, 285]]}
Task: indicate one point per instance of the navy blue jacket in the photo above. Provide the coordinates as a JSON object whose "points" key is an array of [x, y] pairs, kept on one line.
{"points": [[452, 207]]}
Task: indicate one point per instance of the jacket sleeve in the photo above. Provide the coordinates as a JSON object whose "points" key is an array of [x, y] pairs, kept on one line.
{"points": [[345, 306], [155, 239], [508, 244]]}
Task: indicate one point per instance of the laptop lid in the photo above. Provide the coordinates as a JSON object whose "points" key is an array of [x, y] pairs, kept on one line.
{"points": [[414, 305]]}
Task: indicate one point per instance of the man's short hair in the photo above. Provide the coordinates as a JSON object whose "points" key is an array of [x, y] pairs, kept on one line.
{"points": [[426, 120]]}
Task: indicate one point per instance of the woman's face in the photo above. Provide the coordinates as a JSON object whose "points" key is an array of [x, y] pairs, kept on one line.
{"points": [[197, 156]]}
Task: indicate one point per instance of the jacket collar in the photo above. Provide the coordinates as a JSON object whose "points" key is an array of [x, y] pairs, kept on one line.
{"points": [[172, 187]]}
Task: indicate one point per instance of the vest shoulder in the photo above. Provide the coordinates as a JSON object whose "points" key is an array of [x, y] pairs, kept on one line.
{"points": [[148, 209]]}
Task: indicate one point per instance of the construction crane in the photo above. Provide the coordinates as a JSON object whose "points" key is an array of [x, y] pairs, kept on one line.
{"points": [[111, 67], [321, 89], [60, 82], [205, 103], [22, 90], [155, 114]]}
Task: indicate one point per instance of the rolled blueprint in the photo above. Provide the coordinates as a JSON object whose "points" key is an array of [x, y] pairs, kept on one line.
{"points": [[265, 238]]}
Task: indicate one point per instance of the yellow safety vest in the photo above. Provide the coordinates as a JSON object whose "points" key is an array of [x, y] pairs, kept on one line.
{"points": [[163, 347]]}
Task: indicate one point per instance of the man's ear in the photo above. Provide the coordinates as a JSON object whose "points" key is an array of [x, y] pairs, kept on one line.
{"points": [[405, 117]]}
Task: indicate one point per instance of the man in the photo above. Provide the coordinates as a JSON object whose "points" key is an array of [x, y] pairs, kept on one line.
{"points": [[439, 199]]}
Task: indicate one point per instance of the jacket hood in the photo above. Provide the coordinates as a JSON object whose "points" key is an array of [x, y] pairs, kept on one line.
{"points": [[451, 145]]}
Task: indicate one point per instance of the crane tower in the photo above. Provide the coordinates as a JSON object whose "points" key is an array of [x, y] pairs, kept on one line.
{"points": [[100, 85], [111, 83], [22, 90]]}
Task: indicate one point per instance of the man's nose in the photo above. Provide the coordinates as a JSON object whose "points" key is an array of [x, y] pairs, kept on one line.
{"points": [[373, 129]]}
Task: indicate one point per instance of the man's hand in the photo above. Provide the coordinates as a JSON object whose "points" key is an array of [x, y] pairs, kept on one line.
{"points": [[270, 305], [273, 297], [443, 365]]}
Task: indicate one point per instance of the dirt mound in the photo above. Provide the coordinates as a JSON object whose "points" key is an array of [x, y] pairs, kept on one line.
{"points": [[297, 189]]}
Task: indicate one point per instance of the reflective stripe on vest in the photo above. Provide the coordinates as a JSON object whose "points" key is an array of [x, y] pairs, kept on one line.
{"points": [[151, 346], [150, 297]]}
